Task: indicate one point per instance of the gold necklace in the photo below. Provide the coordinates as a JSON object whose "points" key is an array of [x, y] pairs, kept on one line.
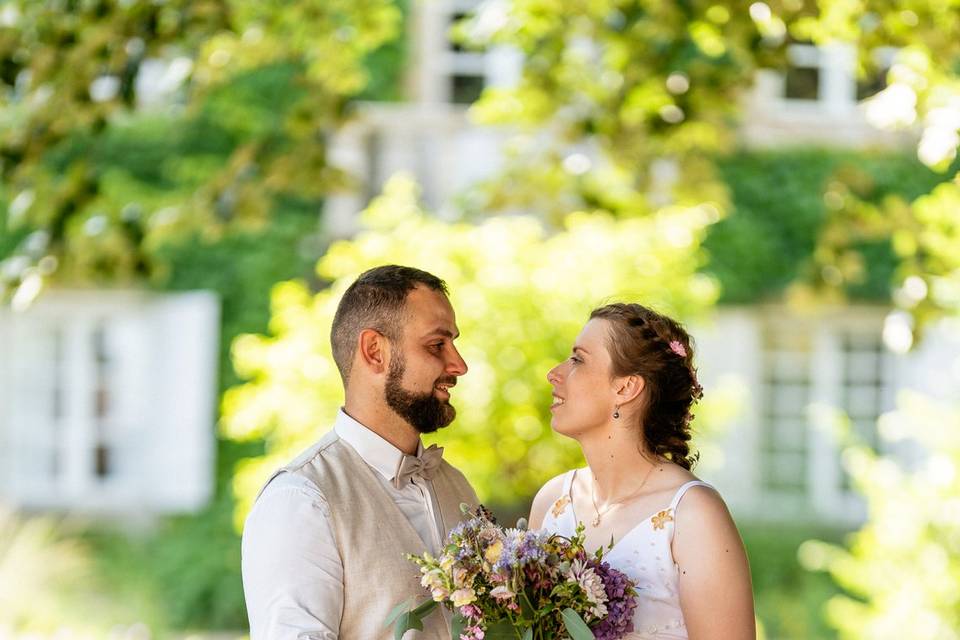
{"points": [[593, 480]]}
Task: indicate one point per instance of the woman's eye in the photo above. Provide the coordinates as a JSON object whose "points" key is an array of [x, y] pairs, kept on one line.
{"points": [[575, 359]]}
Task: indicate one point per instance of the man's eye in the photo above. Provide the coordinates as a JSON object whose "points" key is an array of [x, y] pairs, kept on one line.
{"points": [[575, 359]]}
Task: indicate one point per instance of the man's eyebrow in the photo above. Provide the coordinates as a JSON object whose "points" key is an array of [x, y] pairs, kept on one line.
{"points": [[578, 348], [446, 333]]}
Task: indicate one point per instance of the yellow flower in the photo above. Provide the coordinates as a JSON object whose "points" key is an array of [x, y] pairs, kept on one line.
{"points": [[492, 554], [446, 563], [463, 597], [432, 579]]}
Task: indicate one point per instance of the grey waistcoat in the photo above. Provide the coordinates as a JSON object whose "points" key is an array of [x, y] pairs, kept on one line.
{"points": [[373, 536]]}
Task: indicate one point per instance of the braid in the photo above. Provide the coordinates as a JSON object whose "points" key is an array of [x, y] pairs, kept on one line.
{"points": [[657, 348]]}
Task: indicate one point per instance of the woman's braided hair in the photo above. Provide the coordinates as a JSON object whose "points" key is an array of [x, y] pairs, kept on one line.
{"points": [[657, 348]]}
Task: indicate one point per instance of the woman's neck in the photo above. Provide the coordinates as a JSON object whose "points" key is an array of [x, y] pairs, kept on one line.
{"points": [[617, 461]]}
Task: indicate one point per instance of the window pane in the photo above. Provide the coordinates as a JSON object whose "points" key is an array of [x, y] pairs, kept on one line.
{"points": [[466, 89], [802, 83]]}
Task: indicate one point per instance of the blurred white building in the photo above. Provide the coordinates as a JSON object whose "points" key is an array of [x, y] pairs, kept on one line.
{"points": [[108, 399], [779, 460]]}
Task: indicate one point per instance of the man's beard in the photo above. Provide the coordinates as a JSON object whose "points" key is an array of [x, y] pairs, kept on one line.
{"points": [[424, 411]]}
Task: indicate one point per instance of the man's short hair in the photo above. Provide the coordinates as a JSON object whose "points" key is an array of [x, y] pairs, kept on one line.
{"points": [[375, 301]]}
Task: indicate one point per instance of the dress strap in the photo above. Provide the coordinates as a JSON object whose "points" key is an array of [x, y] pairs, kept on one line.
{"points": [[682, 490], [568, 483]]}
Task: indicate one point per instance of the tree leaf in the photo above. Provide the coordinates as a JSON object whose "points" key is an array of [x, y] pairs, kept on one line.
{"points": [[575, 625]]}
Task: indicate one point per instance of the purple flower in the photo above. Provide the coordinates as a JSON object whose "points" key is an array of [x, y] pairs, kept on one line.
{"points": [[621, 602]]}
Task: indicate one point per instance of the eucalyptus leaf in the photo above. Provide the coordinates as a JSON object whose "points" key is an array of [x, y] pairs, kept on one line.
{"points": [[405, 622], [501, 630], [575, 625], [396, 612], [425, 608], [457, 625]]}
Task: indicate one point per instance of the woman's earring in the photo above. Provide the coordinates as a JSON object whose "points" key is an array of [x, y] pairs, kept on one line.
{"points": [[616, 413]]}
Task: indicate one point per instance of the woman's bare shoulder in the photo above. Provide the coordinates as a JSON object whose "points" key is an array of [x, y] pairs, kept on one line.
{"points": [[548, 494]]}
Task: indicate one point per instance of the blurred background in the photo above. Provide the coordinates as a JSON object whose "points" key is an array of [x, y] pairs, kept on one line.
{"points": [[187, 186]]}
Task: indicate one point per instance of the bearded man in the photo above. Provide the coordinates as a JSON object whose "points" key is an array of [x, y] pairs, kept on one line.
{"points": [[324, 547]]}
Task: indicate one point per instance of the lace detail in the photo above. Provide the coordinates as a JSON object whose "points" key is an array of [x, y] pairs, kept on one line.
{"points": [[644, 554]]}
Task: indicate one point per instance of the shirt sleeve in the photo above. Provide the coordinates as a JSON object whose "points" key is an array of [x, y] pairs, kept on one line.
{"points": [[292, 571]]}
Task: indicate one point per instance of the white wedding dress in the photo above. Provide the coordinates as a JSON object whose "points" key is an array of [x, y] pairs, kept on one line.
{"points": [[643, 554]]}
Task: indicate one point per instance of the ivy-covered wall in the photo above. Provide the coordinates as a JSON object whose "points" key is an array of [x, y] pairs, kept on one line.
{"points": [[780, 201]]}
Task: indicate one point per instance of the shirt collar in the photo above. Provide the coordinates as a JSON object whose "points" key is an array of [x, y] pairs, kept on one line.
{"points": [[375, 451]]}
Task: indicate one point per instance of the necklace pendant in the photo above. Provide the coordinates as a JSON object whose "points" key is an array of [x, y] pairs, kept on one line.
{"points": [[596, 521]]}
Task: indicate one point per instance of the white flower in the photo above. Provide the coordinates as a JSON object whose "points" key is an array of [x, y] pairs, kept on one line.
{"points": [[501, 592], [592, 586]]}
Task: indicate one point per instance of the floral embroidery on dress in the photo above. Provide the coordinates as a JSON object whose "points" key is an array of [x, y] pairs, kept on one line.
{"points": [[661, 519], [559, 506]]}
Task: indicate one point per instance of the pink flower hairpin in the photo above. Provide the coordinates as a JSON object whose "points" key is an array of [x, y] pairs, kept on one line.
{"points": [[678, 348]]}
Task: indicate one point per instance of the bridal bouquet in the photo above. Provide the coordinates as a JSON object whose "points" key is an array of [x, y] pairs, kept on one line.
{"points": [[525, 585]]}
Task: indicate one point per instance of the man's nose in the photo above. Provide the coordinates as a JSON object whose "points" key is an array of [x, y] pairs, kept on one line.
{"points": [[457, 366]]}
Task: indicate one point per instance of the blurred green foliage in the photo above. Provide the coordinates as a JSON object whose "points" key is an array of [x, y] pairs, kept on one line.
{"points": [[789, 599], [784, 202], [38, 564], [900, 572], [505, 276], [621, 90], [218, 187], [222, 190], [257, 90]]}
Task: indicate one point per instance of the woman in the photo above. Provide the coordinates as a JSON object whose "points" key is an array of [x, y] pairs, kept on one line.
{"points": [[625, 395]]}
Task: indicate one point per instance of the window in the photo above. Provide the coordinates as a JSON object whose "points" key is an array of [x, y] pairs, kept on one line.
{"points": [[864, 392], [802, 80], [785, 396], [447, 67], [466, 64], [836, 361], [109, 402]]}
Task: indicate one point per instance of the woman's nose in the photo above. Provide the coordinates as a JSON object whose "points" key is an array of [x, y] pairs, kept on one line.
{"points": [[553, 376]]}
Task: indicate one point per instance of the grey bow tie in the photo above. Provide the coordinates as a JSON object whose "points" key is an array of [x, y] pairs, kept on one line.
{"points": [[424, 466]]}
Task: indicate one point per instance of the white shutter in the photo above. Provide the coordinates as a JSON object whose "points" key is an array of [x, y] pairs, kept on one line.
{"points": [[933, 367], [728, 356], [185, 343]]}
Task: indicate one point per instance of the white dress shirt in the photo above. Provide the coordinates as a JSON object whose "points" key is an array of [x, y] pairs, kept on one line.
{"points": [[292, 571]]}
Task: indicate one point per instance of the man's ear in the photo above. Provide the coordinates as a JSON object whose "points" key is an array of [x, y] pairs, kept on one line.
{"points": [[373, 349], [628, 388]]}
